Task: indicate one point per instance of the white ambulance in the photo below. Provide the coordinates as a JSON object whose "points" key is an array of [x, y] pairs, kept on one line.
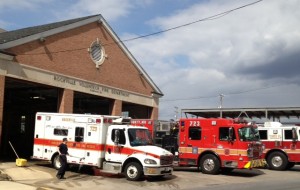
{"points": [[100, 141]]}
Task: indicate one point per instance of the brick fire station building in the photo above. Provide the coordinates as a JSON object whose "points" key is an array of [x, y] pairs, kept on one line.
{"points": [[72, 66]]}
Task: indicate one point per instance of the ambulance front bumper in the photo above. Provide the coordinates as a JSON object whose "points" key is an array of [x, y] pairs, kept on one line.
{"points": [[255, 163], [158, 171]]}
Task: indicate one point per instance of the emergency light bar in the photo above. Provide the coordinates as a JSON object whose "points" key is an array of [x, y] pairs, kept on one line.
{"points": [[122, 120]]}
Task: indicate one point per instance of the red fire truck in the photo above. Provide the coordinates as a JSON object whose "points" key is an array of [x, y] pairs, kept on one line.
{"points": [[218, 144], [282, 144]]}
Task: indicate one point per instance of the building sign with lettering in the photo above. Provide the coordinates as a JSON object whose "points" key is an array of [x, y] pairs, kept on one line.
{"points": [[95, 88]]}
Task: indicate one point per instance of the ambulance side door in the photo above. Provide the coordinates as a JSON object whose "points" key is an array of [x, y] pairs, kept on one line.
{"points": [[93, 146], [77, 143], [117, 141]]}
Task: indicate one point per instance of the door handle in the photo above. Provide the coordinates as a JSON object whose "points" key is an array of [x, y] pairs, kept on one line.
{"points": [[189, 145]]}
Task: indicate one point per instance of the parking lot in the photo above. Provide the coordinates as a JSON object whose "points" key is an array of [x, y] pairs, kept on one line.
{"points": [[41, 175]]}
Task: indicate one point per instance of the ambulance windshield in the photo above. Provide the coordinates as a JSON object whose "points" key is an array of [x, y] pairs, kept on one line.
{"points": [[139, 137], [249, 133]]}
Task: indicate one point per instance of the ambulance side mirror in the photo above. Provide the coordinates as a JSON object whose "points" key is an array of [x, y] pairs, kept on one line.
{"points": [[230, 132], [294, 134], [117, 137]]}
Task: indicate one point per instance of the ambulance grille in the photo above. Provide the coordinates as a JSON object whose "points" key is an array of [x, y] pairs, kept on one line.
{"points": [[166, 160]]}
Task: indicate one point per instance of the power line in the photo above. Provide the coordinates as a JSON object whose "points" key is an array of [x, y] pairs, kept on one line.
{"points": [[257, 89], [216, 16], [223, 94]]}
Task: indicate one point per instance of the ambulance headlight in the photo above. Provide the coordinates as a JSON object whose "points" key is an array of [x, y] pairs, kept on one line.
{"points": [[149, 161]]}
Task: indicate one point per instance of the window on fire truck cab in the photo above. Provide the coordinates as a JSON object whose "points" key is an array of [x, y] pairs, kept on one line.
{"points": [[288, 134], [224, 134], [263, 134], [122, 139], [194, 133], [248, 133], [60, 132], [79, 134]]}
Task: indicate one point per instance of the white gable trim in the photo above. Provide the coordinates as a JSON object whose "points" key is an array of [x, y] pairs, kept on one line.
{"points": [[48, 33]]}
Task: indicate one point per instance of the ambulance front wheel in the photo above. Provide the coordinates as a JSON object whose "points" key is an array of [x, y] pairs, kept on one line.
{"points": [[210, 164], [133, 171], [55, 162]]}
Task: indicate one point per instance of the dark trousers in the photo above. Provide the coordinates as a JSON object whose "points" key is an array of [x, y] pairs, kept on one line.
{"points": [[62, 170]]}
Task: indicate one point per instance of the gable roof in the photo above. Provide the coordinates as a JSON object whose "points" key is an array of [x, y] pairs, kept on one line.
{"points": [[14, 38]]}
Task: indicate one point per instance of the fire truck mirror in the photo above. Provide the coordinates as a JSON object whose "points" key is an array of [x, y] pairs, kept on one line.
{"points": [[117, 136], [230, 132], [294, 133]]}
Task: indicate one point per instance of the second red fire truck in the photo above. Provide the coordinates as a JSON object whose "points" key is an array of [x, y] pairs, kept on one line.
{"points": [[282, 144]]}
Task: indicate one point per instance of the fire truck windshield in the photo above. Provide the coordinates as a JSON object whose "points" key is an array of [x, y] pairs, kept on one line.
{"points": [[249, 133], [139, 137]]}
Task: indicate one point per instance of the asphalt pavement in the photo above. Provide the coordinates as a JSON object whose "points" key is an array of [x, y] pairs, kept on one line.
{"points": [[39, 175]]}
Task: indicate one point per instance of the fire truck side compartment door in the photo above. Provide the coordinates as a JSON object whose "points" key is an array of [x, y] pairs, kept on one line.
{"points": [[190, 143]]}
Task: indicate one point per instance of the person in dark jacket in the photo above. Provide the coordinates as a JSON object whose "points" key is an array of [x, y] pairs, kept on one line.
{"points": [[63, 152]]}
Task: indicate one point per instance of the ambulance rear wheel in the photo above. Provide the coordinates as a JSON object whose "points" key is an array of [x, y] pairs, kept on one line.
{"points": [[277, 161], [210, 164], [56, 162], [133, 171]]}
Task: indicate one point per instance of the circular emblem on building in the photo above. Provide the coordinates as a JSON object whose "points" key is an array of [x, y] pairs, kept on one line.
{"points": [[97, 53]]}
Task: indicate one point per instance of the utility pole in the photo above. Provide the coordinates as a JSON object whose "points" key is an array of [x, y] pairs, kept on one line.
{"points": [[176, 112], [221, 104]]}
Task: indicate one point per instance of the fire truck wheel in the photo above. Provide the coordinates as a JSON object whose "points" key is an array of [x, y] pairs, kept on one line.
{"points": [[210, 164], [55, 162], [133, 171], [277, 161]]}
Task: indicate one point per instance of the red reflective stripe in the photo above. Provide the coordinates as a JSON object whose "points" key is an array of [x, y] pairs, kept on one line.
{"points": [[92, 146], [71, 144], [129, 151]]}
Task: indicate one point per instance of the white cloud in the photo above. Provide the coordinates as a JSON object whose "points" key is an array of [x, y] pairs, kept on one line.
{"points": [[21, 4], [216, 54], [110, 10], [251, 48]]}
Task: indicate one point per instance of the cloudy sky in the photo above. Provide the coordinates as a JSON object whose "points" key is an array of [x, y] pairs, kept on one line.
{"points": [[250, 55]]}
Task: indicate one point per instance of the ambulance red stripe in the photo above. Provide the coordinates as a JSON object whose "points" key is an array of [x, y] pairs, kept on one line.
{"points": [[91, 146]]}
